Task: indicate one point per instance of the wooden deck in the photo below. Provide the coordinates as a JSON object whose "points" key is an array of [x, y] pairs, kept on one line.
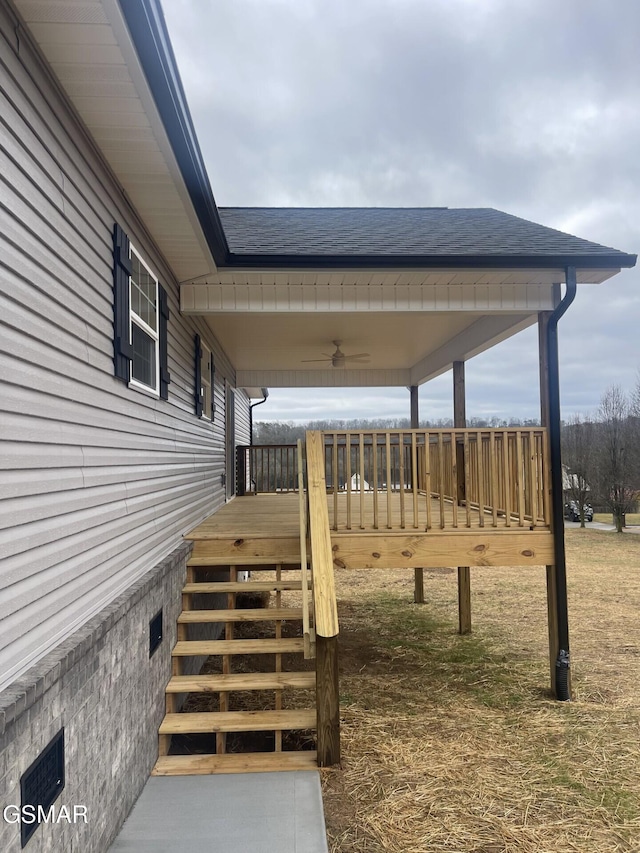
{"points": [[268, 524]]}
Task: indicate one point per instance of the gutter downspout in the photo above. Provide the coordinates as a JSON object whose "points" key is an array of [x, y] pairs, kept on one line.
{"points": [[563, 660], [265, 394]]}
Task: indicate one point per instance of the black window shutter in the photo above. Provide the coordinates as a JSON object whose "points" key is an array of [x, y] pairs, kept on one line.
{"points": [[199, 400], [122, 349], [213, 395], [165, 376]]}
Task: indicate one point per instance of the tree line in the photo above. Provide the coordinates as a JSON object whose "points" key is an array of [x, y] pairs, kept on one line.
{"points": [[601, 454], [288, 432]]}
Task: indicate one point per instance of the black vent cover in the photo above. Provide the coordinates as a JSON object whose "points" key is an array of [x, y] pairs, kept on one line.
{"points": [[155, 632], [41, 784]]}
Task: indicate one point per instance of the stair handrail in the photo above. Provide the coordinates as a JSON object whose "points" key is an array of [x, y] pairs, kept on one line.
{"points": [[308, 632], [324, 593]]}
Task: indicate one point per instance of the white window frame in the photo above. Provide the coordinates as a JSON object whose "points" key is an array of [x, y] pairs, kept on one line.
{"points": [[154, 334], [207, 402]]}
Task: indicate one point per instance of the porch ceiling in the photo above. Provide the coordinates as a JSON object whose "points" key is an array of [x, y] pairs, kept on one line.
{"points": [[406, 348], [414, 323]]}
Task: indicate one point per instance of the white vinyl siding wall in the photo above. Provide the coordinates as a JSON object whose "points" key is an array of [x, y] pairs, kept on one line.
{"points": [[98, 482], [243, 429]]}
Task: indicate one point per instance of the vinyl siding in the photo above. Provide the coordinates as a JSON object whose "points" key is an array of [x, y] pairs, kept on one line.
{"points": [[243, 429], [98, 482]]}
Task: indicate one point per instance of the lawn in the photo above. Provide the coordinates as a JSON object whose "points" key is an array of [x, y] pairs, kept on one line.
{"points": [[453, 743], [632, 518]]}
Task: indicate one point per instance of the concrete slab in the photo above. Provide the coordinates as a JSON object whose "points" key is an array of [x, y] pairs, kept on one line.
{"points": [[257, 812]]}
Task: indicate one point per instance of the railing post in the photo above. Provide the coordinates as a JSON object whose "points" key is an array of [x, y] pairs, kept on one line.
{"points": [[327, 701], [241, 470]]}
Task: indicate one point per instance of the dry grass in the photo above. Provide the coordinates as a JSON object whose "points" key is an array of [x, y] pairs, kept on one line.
{"points": [[454, 744]]}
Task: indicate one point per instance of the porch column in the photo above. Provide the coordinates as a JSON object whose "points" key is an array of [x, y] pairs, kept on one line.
{"points": [[418, 574], [557, 608], [460, 422]]}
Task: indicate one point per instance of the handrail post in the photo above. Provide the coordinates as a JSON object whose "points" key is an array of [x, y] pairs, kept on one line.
{"points": [[325, 607], [307, 632], [327, 701]]}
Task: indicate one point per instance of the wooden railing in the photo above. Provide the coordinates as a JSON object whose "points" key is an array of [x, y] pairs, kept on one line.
{"points": [[324, 606], [426, 479], [266, 468]]}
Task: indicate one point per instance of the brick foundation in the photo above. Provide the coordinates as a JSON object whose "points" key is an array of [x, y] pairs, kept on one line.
{"points": [[101, 685]]}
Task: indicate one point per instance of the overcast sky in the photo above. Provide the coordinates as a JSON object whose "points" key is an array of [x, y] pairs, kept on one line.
{"points": [[528, 106]]}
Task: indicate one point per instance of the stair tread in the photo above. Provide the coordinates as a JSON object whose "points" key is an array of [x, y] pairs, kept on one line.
{"points": [[240, 681], [238, 721], [239, 762], [237, 647], [236, 560], [240, 586], [260, 614]]}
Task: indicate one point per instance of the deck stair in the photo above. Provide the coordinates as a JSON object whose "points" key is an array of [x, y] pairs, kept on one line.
{"points": [[280, 708]]}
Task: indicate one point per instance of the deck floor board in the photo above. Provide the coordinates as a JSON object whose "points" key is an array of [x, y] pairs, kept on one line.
{"points": [[276, 516]]}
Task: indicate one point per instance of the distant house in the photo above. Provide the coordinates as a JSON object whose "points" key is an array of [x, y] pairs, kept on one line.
{"points": [[137, 322], [572, 482]]}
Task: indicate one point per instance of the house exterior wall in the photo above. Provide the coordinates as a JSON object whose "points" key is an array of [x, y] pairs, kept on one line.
{"points": [[98, 481]]}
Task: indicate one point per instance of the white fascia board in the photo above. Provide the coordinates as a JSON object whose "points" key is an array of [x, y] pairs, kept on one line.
{"points": [[363, 296], [485, 333], [333, 378]]}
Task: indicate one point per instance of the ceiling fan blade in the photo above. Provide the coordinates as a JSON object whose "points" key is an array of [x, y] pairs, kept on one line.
{"points": [[359, 355], [309, 360]]}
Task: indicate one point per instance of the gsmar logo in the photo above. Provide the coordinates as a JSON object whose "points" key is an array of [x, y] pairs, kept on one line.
{"points": [[29, 814]]}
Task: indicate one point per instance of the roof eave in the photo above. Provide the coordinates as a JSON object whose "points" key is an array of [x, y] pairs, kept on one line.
{"points": [[149, 34]]}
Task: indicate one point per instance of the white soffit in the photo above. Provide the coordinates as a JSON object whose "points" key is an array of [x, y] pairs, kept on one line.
{"points": [[88, 48]]}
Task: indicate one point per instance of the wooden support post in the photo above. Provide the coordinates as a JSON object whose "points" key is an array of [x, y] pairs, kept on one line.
{"points": [[418, 574], [418, 593], [415, 417], [464, 599], [552, 587], [460, 422], [327, 701]]}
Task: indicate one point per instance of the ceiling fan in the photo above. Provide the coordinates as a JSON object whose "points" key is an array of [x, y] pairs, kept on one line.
{"points": [[339, 359]]}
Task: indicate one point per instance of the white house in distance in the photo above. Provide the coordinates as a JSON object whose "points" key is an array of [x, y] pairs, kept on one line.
{"points": [[137, 321]]}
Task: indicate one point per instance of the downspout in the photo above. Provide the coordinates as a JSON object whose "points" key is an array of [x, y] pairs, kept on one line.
{"points": [[265, 394], [560, 567]]}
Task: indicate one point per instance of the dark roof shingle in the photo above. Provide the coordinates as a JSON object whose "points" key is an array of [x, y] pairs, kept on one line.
{"points": [[400, 232]]}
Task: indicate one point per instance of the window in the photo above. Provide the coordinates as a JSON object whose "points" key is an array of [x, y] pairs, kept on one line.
{"points": [[205, 373], [144, 324], [141, 315], [206, 380]]}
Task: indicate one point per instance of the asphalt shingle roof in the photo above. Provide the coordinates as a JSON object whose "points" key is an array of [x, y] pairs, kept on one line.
{"points": [[406, 232]]}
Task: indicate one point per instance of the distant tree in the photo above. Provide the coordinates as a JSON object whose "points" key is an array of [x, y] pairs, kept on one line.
{"points": [[617, 465], [578, 458]]}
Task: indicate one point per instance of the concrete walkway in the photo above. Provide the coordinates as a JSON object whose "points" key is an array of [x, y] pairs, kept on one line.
{"points": [[229, 813], [601, 525]]}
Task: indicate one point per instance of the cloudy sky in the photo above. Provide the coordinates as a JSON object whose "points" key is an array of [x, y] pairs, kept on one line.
{"points": [[528, 106]]}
